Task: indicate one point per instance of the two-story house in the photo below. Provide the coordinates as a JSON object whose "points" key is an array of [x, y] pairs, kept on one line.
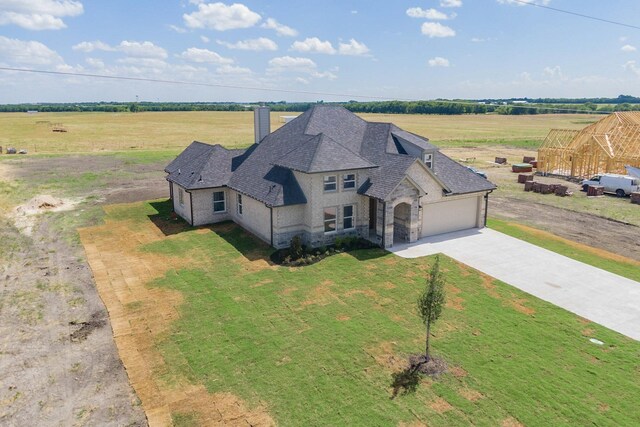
{"points": [[328, 173]]}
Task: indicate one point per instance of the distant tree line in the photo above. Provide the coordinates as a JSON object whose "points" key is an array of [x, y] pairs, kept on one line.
{"points": [[512, 106]]}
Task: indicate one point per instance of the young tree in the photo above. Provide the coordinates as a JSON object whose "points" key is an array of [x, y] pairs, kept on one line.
{"points": [[431, 302]]}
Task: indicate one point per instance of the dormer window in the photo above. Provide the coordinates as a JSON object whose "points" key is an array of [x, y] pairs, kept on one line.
{"points": [[427, 158]]}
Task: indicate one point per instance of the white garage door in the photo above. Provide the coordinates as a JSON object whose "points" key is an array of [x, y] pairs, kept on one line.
{"points": [[448, 216]]}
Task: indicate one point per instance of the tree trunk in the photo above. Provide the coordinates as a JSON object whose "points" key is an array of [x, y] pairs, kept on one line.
{"points": [[426, 351]]}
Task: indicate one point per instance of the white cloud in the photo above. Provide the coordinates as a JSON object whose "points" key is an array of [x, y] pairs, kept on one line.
{"points": [[302, 80], [258, 44], [38, 14], [438, 61], [450, 3], [436, 29], [142, 49], [221, 17], [194, 54], [291, 63], [177, 29], [554, 73], [628, 48], [287, 63], [354, 48], [631, 66], [95, 62], [28, 52], [232, 69], [154, 63], [205, 39], [91, 46], [418, 12], [280, 29], [313, 44], [522, 2]]}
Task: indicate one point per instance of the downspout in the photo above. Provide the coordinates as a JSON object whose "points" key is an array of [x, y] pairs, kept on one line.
{"points": [[486, 206], [271, 222], [384, 224], [171, 193], [191, 205]]}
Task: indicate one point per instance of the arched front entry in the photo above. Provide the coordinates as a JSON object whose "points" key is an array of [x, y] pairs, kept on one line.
{"points": [[402, 223]]}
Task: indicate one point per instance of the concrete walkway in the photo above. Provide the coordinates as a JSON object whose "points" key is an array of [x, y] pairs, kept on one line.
{"points": [[602, 297]]}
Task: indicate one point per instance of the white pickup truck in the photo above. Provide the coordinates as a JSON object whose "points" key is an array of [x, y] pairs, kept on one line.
{"points": [[621, 185]]}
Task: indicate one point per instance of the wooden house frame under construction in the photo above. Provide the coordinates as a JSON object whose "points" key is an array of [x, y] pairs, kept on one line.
{"points": [[603, 147]]}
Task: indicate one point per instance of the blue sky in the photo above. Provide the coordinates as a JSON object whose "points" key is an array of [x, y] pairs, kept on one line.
{"points": [[392, 49]]}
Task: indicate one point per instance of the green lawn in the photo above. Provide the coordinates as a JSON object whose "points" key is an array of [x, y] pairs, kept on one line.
{"points": [[318, 345]]}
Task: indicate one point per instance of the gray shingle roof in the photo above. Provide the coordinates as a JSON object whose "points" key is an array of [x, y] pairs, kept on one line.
{"points": [[202, 165], [458, 178], [320, 153], [324, 138]]}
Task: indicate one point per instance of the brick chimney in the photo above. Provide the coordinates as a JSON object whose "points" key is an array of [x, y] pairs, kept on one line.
{"points": [[261, 122]]}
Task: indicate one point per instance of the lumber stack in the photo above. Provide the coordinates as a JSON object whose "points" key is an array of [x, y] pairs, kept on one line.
{"points": [[595, 191], [521, 167], [522, 178]]}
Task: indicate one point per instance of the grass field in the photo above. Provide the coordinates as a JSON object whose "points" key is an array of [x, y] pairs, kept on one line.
{"points": [[89, 132], [318, 345]]}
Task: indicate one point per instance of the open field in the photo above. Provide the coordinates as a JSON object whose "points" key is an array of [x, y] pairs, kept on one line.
{"points": [[319, 345], [49, 285], [88, 132]]}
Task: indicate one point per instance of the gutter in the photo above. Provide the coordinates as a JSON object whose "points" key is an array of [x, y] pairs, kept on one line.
{"points": [[486, 206]]}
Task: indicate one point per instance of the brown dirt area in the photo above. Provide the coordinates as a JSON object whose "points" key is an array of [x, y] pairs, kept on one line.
{"points": [[58, 361], [440, 405], [120, 273], [511, 422]]}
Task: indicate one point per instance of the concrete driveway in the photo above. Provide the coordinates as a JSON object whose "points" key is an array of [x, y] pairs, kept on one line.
{"points": [[602, 297]]}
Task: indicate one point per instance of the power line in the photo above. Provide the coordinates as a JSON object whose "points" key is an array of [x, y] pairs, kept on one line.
{"points": [[218, 85], [568, 12], [177, 82]]}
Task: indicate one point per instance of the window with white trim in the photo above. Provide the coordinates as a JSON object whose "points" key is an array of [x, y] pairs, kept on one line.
{"points": [[348, 217], [427, 158], [330, 183], [330, 219], [239, 204], [219, 202], [349, 181], [181, 197]]}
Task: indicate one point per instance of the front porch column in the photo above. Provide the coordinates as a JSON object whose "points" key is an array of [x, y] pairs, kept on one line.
{"points": [[388, 226], [414, 232]]}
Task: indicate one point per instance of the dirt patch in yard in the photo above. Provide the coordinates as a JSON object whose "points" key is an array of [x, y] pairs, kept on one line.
{"points": [[25, 216], [511, 422], [470, 394], [384, 355], [519, 305], [140, 315], [440, 405], [598, 235]]}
